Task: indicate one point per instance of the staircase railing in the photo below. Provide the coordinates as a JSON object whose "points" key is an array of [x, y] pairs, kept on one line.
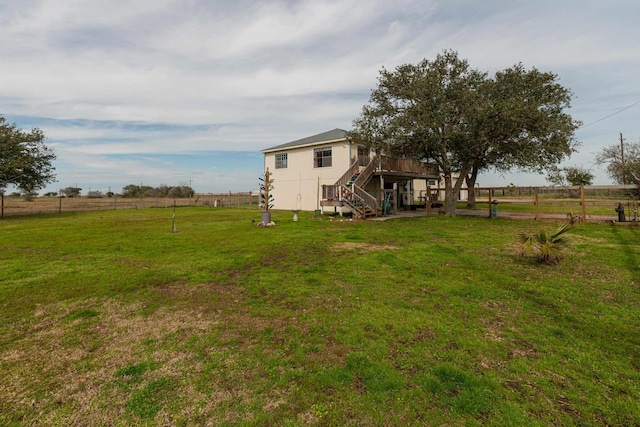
{"points": [[359, 200], [348, 174], [368, 199], [366, 173], [355, 204]]}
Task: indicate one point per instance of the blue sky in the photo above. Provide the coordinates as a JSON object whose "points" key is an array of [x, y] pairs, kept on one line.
{"points": [[178, 91]]}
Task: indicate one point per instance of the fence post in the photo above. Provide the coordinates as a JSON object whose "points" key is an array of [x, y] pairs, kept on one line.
{"points": [[490, 200], [537, 205], [2, 197], [60, 205], [584, 208]]}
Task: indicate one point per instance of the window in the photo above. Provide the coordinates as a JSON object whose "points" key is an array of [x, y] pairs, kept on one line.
{"points": [[431, 183], [322, 157], [363, 155], [281, 160]]}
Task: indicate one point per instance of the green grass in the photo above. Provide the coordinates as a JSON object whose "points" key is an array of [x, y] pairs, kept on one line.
{"points": [[109, 318]]}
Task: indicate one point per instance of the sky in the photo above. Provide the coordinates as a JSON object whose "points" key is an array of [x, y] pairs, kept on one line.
{"points": [[174, 92]]}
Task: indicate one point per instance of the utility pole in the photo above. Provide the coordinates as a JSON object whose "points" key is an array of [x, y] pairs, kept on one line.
{"points": [[622, 158]]}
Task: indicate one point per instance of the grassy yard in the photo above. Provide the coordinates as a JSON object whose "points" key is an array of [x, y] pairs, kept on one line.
{"points": [[109, 318]]}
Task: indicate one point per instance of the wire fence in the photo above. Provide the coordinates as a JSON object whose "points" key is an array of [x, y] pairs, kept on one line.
{"points": [[12, 206], [589, 202], [246, 200]]}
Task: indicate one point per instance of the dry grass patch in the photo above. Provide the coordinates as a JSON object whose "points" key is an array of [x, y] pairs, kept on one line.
{"points": [[73, 362], [363, 247], [97, 362]]}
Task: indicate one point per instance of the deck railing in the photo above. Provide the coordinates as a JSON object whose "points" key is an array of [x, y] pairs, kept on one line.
{"points": [[330, 192], [390, 164]]}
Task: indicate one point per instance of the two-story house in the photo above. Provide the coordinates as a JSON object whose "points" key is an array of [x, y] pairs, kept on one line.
{"points": [[330, 171]]}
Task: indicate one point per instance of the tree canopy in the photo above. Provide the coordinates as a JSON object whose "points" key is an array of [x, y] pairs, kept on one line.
{"points": [[622, 162], [71, 191], [445, 112], [25, 161], [137, 191], [573, 175]]}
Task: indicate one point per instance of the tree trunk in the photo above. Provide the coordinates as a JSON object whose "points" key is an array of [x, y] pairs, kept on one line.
{"points": [[451, 190], [450, 198], [471, 183]]}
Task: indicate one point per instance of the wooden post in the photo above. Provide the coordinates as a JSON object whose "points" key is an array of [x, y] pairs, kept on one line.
{"points": [[537, 205], [584, 208], [2, 197], [490, 200], [428, 200], [60, 205], [318, 196]]}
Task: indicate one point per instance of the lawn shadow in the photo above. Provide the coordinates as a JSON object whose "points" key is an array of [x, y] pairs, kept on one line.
{"points": [[630, 253]]}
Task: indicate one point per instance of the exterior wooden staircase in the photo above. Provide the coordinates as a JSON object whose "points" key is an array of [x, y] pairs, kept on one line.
{"points": [[351, 191], [348, 191]]}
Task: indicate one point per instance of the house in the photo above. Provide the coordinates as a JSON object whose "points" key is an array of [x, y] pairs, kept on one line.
{"points": [[330, 171]]}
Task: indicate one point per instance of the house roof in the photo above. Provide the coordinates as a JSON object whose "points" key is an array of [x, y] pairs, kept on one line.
{"points": [[332, 135]]}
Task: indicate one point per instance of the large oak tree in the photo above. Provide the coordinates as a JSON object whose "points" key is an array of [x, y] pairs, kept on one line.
{"points": [[445, 112], [25, 161]]}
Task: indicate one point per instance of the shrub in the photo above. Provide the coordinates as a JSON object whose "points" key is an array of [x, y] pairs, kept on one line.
{"points": [[547, 247]]}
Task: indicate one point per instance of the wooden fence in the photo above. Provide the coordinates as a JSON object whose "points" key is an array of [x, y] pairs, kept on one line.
{"points": [[586, 202]]}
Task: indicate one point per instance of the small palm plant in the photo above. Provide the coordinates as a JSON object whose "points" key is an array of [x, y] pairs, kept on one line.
{"points": [[547, 247]]}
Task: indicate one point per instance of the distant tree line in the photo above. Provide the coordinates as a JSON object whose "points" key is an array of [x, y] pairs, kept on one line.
{"points": [[129, 191], [138, 191]]}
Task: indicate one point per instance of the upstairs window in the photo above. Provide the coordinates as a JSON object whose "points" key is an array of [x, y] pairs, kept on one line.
{"points": [[322, 157], [281, 160], [364, 155]]}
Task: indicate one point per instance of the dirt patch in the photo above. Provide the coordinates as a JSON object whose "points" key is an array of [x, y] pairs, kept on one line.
{"points": [[363, 247]]}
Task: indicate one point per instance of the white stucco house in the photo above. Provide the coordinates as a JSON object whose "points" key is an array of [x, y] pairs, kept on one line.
{"points": [[330, 171]]}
